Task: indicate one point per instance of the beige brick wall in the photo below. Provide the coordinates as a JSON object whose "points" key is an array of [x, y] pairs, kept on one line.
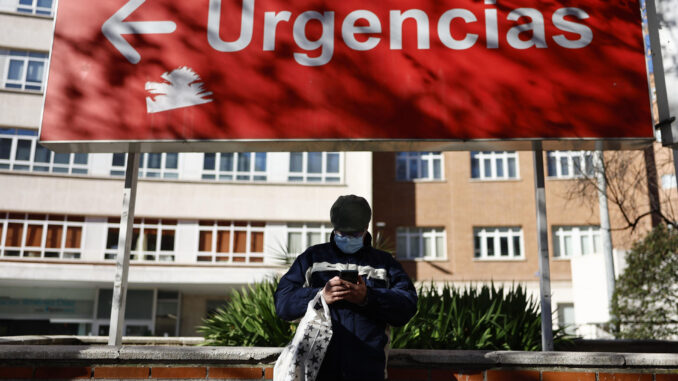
{"points": [[459, 203]]}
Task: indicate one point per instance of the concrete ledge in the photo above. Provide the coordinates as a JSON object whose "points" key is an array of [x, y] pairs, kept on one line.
{"points": [[102, 340], [559, 359], [101, 354], [227, 355]]}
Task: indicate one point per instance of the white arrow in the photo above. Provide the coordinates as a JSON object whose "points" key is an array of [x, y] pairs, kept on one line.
{"points": [[114, 28]]}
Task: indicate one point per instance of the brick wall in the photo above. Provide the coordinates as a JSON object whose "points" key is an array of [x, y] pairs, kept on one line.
{"points": [[101, 362], [198, 372]]}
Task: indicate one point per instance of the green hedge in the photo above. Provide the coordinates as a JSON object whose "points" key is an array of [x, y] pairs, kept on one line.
{"points": [[488, 317]]}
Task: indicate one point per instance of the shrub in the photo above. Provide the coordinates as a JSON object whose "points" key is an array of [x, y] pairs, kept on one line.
{"points": [[488, 318], [470, 318], [248, 320], [645, 299]]}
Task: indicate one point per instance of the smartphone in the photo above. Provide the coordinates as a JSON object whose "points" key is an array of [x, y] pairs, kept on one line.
{"points": [[349, 275]]}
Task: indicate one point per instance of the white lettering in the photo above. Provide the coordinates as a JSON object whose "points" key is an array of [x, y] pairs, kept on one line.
{"points": [[325, 42], [271, 20], [317, 51], [246, 27], [572, 27], [445, 34], [349, 30], [491, 29], [421, 18], [538, 38]]}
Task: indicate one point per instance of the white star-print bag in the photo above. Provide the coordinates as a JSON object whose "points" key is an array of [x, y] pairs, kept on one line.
{"points": [[300, 360]]}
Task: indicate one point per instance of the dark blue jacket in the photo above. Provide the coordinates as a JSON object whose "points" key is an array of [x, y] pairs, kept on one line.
{"points": [[360, 337]]}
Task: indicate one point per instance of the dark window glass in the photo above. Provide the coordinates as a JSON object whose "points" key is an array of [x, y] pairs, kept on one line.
{"points": [[80, 158], [118, 160], [489, 242], [208, 162], [296, 162], [226, 163], [516, 246], [332, 163], [171, 160], [244, 162], [5, 148], [315, 160], [154, 160], [260, 161], [167, 240], [551, 164], [42, 154], [62, 158], [504, 243], [23, 150]]}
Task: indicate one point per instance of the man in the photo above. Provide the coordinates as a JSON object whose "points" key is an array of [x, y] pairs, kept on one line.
{"points": [[362, 312]]}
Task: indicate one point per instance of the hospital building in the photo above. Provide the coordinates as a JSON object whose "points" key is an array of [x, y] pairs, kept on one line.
{"points": [[209, 223]]}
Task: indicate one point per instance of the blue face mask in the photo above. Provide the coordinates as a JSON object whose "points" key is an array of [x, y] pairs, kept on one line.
{"points": [[348, 244]]}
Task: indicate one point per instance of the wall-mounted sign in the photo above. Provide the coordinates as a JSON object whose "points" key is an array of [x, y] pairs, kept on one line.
{"points": [[352, 74]]}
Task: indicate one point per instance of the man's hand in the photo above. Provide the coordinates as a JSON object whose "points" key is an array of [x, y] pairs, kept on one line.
{"points": [[339, 289], [358, 291]]}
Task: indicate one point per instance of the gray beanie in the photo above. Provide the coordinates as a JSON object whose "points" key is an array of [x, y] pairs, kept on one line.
{"points": [[350, 213]]}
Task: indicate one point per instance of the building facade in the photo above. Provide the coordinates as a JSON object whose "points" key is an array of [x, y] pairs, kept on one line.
{"points": [[209, 223], [470, 218], [206, 223]]}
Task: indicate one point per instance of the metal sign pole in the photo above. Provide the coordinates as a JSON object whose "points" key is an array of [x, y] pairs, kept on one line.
{"points": [[124, 247], [605, 225], [543, 249], [668, 130]]}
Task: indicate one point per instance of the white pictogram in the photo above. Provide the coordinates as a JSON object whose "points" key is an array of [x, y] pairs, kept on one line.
{"points": [[182, 89], [115, 27]]}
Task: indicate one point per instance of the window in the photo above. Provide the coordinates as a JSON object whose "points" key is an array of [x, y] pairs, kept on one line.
{"points": [[231, 242], [426, 243], [569, 241], [24, 70], [494, 165], [566, 318], [238, 166], [20, 151], [498, 243], [419, 165], [152, 239], [570, 164], [301, 236], [151, 165], [668, 181], [34, 7], [41, 236], [315, 167]]}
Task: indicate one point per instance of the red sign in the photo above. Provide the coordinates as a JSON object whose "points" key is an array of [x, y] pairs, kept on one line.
{"points": [[344, 70]]}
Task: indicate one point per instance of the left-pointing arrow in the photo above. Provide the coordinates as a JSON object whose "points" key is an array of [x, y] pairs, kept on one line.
{"points": [[115, 27]]}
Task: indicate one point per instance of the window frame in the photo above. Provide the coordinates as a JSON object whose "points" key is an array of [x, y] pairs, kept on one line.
{"points": [[323, 177], [556, 157], [493, 156], [25, 57], [33, 9], [249, 257], [576, 233], [236, 175], [422, 234], [423, 160], [481, 234], [30, 165], [143, 224], [163, 173], [65, 222]]}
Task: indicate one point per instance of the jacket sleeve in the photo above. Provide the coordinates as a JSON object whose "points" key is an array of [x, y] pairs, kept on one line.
{"points": [[291, 297], [395, 305]]}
